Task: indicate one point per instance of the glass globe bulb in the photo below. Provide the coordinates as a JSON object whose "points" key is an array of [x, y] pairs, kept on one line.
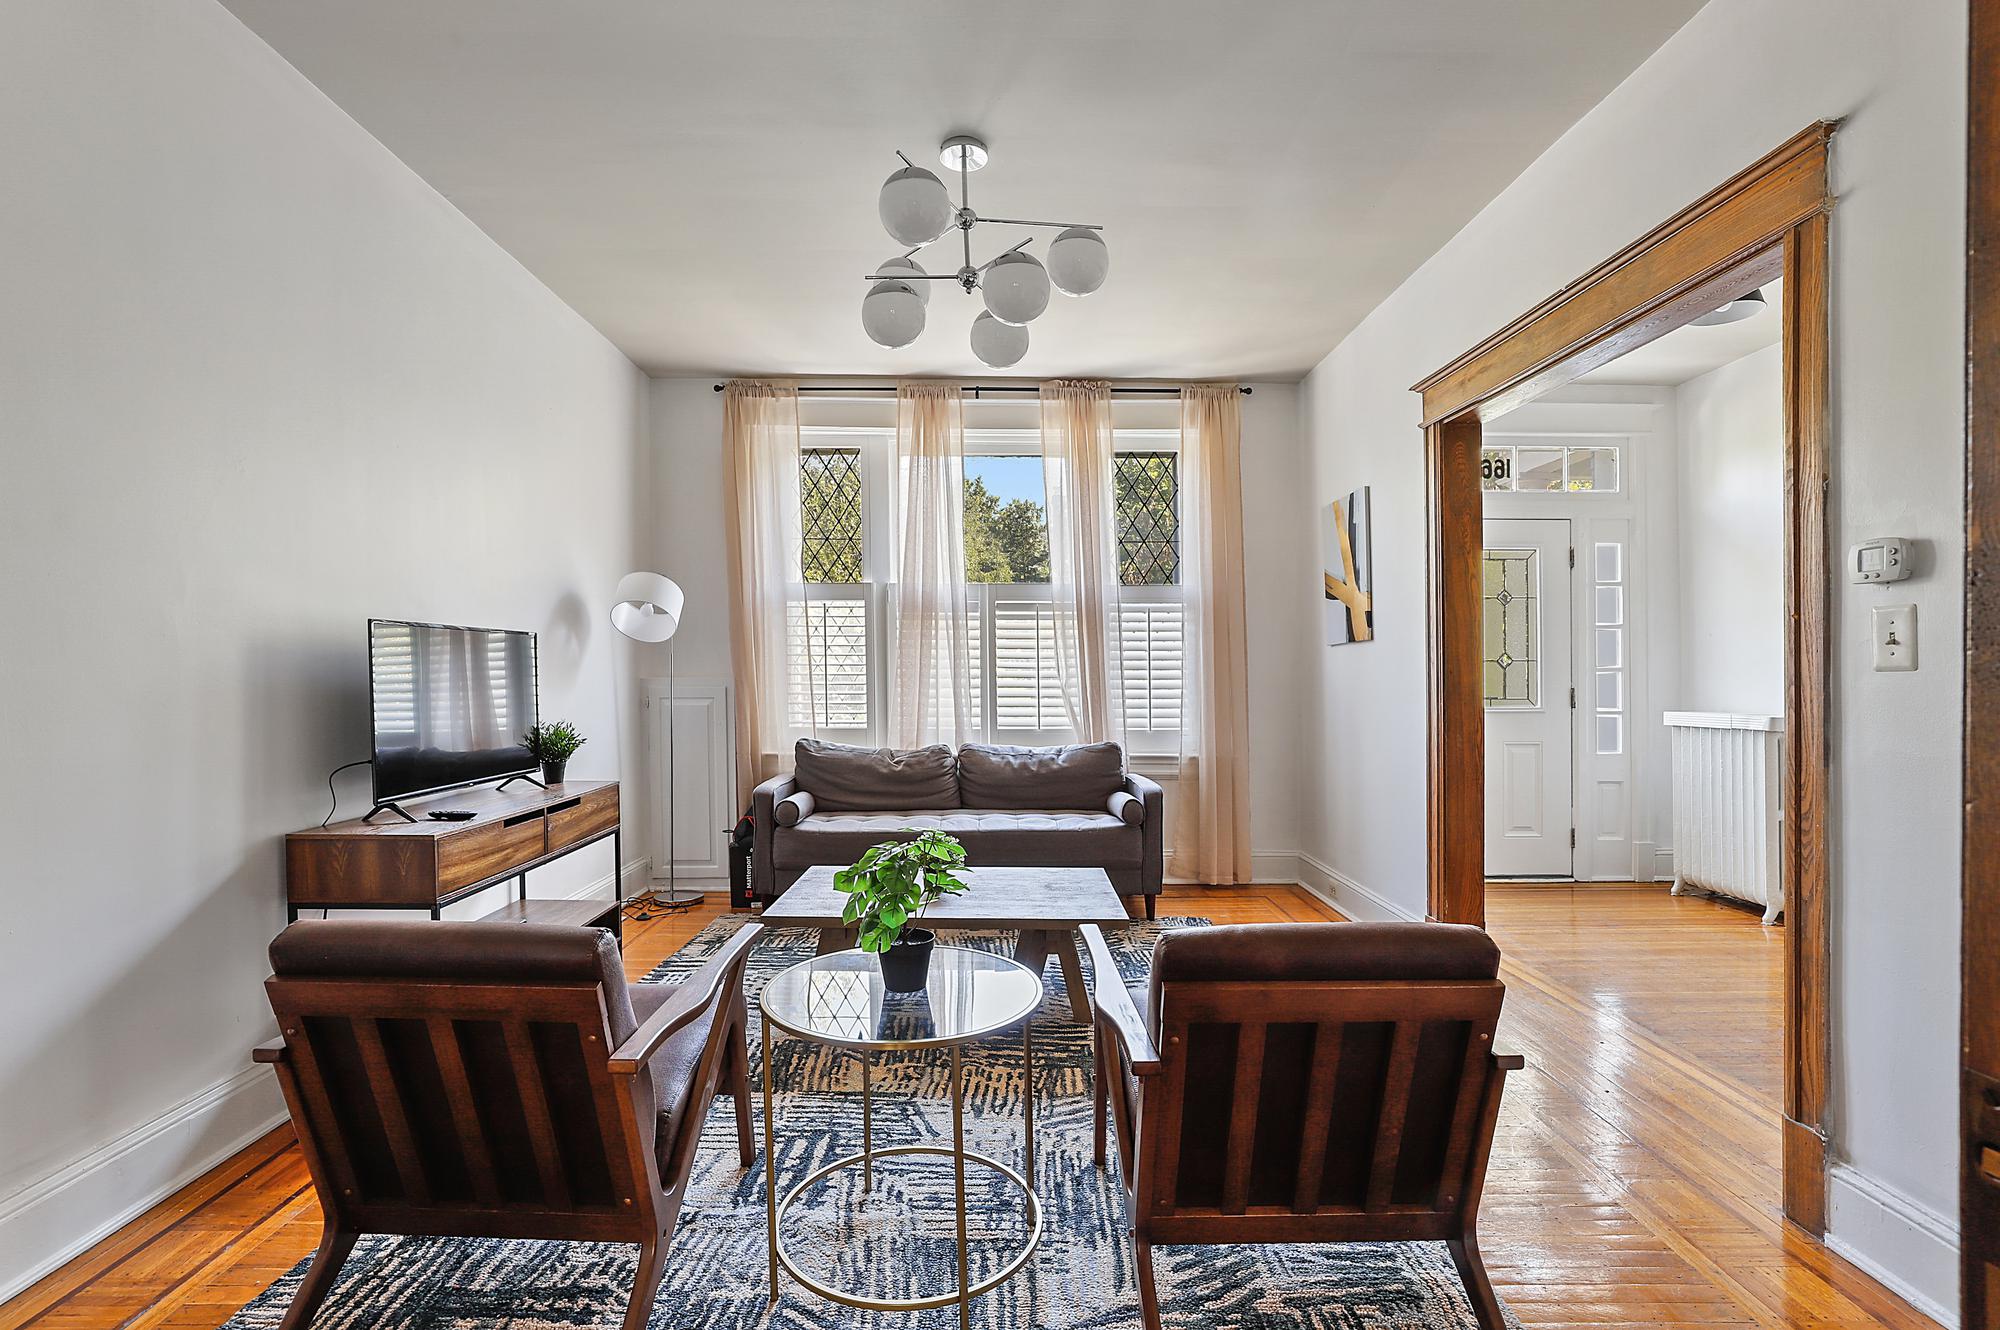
{"points": [[915, 206], [890, 269], [1016, 287], [1078, 261], [892, 314], [998, 344]]}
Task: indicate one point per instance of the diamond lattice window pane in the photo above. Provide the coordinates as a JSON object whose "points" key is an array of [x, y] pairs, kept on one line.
{"points": [[830, 515], [1147, 512], [1512, 582]]}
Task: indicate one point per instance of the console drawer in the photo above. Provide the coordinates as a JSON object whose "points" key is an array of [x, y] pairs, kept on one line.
{"points": [[477, 853], [592, 815]]}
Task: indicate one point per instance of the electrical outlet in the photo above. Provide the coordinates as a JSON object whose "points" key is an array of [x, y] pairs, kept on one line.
{"points": [[1895, 637]]}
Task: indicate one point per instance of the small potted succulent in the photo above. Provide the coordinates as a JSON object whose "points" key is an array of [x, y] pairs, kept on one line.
{"points": [[888, 889], [553, 744]]}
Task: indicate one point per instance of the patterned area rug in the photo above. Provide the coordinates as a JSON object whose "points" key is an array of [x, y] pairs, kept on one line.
{"points": [[895, 1240]]}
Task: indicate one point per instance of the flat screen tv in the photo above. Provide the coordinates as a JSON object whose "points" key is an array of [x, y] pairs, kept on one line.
{"points": [[449, 704]]}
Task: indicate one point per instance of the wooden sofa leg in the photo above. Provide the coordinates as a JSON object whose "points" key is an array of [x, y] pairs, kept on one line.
{"points": [[334, 1246], [1478, 1288], [1149, 1296]]}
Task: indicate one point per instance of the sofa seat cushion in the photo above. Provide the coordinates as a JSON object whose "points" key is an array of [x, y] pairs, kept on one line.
{"points": [[997, 837]]}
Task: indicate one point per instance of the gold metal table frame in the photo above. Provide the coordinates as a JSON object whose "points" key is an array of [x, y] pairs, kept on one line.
{"points": [[865, 1048]]}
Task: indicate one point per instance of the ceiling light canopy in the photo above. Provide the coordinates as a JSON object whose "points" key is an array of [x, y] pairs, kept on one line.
{"points": [[916, 210], [1745, 306]]}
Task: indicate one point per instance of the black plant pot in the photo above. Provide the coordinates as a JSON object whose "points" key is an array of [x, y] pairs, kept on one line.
{"points": [[552, 772], [906, 965]]}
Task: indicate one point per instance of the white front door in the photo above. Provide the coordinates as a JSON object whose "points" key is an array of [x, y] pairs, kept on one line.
{"points": [[1525, 575]]}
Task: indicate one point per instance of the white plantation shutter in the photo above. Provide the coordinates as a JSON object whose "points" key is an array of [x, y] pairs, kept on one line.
{"points": [[1150, 660], [1027, 685], [830, 651], [395, 672]]}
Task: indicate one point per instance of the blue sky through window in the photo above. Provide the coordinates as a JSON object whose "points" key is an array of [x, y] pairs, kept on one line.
{"points": [[1008, 478]]}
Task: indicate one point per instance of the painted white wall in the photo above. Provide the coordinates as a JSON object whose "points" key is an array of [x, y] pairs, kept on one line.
{"points": [[259, 383], [1280, 566], [1732, 537], [1763, 70]]}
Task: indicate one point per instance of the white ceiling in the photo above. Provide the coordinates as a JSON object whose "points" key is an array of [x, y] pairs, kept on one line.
{"points": [[699, 181], [1689, 352]]}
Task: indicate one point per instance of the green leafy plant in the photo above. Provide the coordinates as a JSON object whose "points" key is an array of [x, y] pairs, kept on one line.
{"points": [[555, 741], [892, 884]]}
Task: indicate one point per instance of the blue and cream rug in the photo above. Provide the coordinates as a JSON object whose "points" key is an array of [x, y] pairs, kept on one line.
{"points": [[896, 1241]]}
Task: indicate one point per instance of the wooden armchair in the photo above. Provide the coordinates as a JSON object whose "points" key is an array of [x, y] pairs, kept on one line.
{"points": [[1304, 1083], [499, 1080]]}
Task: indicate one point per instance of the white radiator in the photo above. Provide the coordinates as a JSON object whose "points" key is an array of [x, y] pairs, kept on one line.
{"points": [[1727, 806]]}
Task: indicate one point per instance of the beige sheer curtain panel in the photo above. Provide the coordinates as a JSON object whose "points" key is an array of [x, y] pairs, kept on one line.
{"points": [[1212, 812], [931, 688], [760, 468], [1083, 553]]}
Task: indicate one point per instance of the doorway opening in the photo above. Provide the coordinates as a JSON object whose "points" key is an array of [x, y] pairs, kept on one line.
{"points": [[1768, 223]]}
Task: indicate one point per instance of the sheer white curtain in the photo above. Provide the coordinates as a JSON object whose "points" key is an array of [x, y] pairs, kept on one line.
{"points": [[1212, 810], [931, 698], [760, 467], [1077, 462]]}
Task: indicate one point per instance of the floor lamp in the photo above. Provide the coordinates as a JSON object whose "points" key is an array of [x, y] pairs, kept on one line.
{"points": [[648, 609]]}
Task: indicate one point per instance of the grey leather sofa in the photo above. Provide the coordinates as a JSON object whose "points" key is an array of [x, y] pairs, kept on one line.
{"points": [[1069, 807]]}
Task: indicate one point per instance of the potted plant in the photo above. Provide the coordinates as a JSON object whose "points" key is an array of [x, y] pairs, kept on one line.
{"points": [[888, 889], [553, 744]]}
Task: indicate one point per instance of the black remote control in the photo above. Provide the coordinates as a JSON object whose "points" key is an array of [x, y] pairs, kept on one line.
{"points": [[452, 815]]}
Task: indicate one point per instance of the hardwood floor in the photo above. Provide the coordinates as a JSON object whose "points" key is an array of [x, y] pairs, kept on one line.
{"points": [[1634, 1182]]}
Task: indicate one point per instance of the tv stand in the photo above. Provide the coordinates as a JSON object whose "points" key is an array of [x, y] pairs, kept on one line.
{"points": [[424, 865], [387, 806], [520, 775]]}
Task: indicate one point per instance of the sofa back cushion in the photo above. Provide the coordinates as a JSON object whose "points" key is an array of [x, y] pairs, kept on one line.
{"points": [[1074, 776], [845, 779]]}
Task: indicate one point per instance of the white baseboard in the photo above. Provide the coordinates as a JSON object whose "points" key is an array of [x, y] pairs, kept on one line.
{"points": [[1349, 897], [1274, 868], [1906, 1246], [55, 1219]]}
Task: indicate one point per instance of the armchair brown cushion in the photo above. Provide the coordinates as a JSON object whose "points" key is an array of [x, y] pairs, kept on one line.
{"points": [[845, 779], [1074, 776], [674, 1065]]}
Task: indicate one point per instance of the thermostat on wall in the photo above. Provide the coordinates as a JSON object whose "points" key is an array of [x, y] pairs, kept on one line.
{"points": [[1884, 559]]}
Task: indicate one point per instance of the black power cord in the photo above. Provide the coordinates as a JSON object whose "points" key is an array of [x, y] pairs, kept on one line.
{"points": [[330, 791]]}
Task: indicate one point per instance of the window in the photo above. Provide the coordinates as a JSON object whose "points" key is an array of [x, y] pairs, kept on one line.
{"points": [[1607, 590], [1537, 469], [839, 624], [1512, 583]]}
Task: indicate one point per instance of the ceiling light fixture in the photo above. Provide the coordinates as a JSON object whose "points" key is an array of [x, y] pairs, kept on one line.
{"points": [[1735, 311], [916, 210]]}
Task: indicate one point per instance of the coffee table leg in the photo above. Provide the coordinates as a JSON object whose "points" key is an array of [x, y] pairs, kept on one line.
{"points": [[958, 1178], [867, 1129], [1028, 1094], [1033, 950], [770, 1166], [835, 939], [1064, 945]]}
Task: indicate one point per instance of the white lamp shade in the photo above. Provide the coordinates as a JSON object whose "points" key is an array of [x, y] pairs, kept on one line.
{"points": [[1078, 261], [1016, 288], [998, 344], [1747, 305], [648, 607], [915, 206], [892, 313], [891, 268]]}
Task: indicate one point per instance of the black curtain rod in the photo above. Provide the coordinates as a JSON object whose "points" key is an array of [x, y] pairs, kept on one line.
{"points": [[977, 389]]}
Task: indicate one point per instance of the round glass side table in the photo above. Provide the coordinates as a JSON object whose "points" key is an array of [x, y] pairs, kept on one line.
{"points": [[838, 1000]]}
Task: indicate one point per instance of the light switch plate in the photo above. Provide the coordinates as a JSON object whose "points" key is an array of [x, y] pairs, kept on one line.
{"points": [[1895, 637]]}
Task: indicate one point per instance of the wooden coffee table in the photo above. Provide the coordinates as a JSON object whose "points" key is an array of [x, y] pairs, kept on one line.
{"points": [[1047, 905]]}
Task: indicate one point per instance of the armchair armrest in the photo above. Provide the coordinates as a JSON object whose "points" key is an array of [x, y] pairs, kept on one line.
{"points": [[1114, 1006], [692, 997], [273, 1051]]}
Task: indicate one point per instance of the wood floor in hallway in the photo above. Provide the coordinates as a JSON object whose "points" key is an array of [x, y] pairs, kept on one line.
{"points": [[1634, 1181]]}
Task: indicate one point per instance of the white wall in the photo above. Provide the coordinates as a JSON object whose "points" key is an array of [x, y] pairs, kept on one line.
{"points": [[1732, 537], [257, 383], [1280, 562], [1740, 78]]}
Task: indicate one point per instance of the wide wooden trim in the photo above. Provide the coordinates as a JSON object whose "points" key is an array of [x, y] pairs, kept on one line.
{"points": [[1648, 288], [1766, 221], [1979, 1097]]}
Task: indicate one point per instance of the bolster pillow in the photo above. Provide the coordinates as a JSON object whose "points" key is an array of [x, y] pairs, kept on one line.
{"points": [[1126, 808], [793, 808]]}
